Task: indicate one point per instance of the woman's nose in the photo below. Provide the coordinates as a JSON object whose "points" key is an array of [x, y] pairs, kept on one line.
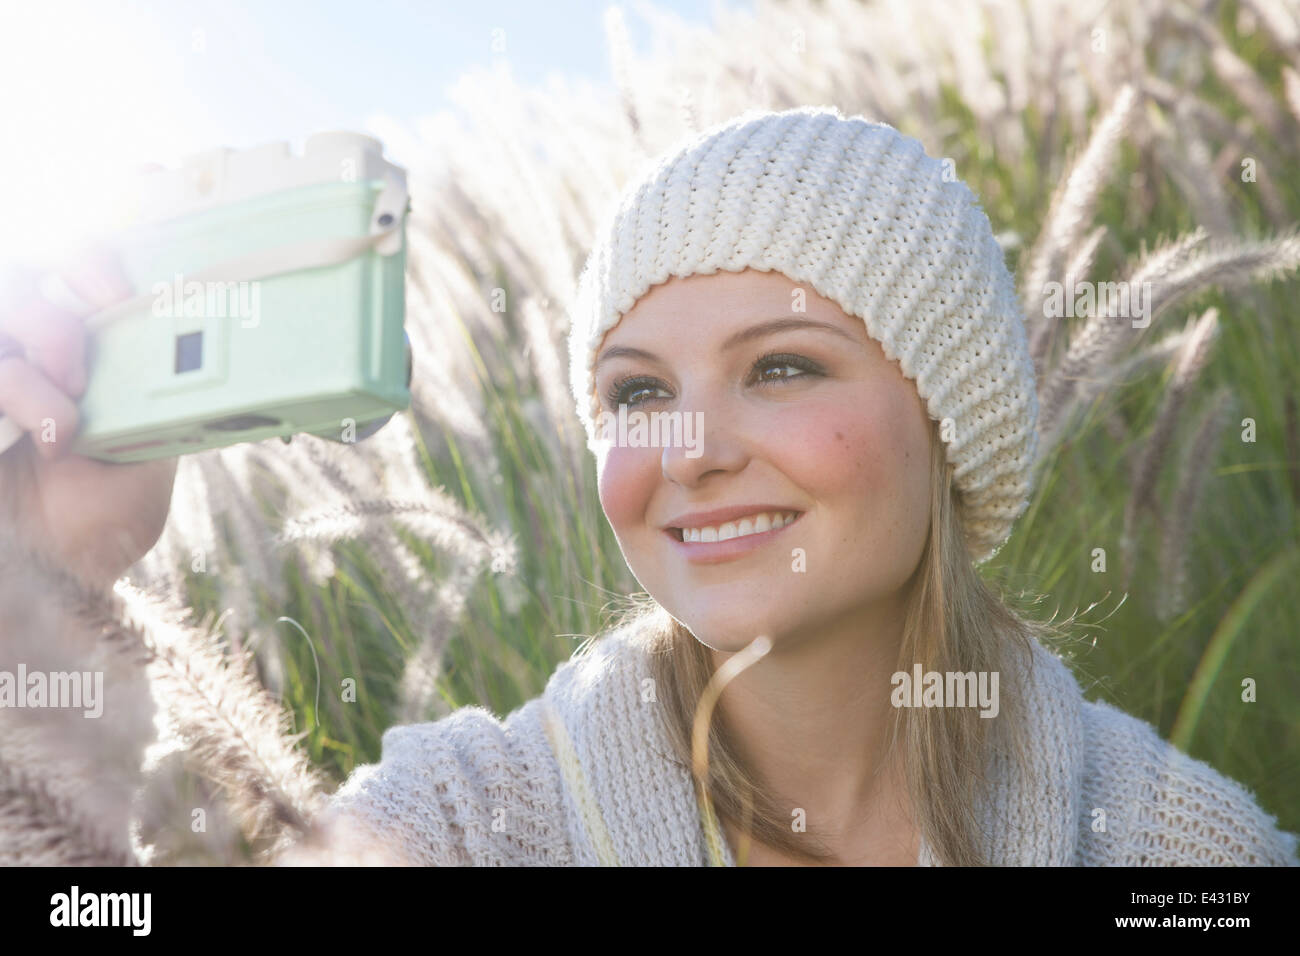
{"points": [[709, 441]]}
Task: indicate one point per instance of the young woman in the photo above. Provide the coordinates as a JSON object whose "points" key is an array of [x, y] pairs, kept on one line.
{"points": [[834, 314]]}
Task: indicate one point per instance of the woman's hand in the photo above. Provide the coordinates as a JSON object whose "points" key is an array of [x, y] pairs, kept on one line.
{"points": [[93, 518]]}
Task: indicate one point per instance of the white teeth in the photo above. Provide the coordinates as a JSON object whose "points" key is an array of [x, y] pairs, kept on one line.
{"points": [[754, 524]]}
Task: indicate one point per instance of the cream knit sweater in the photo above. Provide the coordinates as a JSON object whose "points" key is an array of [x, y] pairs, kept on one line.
{"points": [[583, 775]]}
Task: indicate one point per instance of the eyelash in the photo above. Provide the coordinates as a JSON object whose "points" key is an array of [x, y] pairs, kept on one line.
{"points": [[774, 359]]}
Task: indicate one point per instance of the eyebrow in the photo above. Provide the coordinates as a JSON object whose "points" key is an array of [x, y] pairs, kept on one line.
{"points": [[758, 331]]}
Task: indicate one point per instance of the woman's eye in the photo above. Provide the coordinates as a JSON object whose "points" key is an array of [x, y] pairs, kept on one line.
{"points": [[631, 394], [622, 391], [770, 363], [768, 367]]}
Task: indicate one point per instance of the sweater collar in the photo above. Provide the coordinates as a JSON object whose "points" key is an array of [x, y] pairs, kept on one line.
{"points": [[1033, 816], [633, 803]]}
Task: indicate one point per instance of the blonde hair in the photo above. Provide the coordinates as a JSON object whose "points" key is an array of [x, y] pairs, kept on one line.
{"points": [[954, 622]]}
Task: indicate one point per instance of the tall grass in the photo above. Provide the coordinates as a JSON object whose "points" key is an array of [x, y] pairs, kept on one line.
{"points": [[458, 555]]}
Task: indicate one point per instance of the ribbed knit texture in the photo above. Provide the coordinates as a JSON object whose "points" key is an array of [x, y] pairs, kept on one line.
{"points": [[858, 212], [618, 796]]}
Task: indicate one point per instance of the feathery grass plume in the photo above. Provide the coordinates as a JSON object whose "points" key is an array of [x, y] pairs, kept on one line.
{"points": [[1186, 157], [343, 476], [68, 772], [495, 548], [583, 153], [285, 472], [1093, 347], [1122, 371], [1236, 74], [1291, 83], [179, 819], [404, 574], [984, 96], [438, 520], [190, 518], [690, 114], [524, 213], [292, 477], [455, 304], [244, 565], [1198, 338], [254, 467], [620, 58], [235, 731], [418, 688], [549, 370], [442, 523], [1053, 41], [1191, 360], [1280, 23], [1076, 270], [1071, 207], [1105, 69], [1010, 34], [897, 27], [1229, 265], [36, 830], [395, 445], [1116, 427], [1167, 258], [544, 266], [1084, 255], [1171, 597], [340, 465], [402, 569], [247, 524], [1238, 142]]}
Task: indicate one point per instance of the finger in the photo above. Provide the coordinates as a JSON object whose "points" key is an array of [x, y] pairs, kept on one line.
{"points": [[35, 404], [55, 340], [95, 273]]}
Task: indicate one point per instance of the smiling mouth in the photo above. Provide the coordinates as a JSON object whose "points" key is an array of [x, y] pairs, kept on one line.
{"points": [[677, 534]]}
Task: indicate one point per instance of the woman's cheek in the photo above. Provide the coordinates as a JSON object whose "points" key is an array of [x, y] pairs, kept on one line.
{"points": [[854, 458], [625, 481], [826, 447]]}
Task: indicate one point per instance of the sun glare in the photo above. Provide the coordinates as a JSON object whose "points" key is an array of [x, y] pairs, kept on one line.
{"points": [[89, 95]]}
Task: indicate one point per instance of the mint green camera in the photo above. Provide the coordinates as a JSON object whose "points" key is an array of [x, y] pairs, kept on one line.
{"points": [[272, 304]]}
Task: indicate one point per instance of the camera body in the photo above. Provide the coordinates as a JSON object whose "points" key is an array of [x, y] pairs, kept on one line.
{"points": [[270, 301]]}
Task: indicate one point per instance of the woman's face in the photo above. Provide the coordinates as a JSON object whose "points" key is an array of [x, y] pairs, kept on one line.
{"points": [[827, 428]]}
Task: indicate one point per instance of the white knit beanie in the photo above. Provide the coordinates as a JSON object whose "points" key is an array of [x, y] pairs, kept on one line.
{"points": [[860, 213]]}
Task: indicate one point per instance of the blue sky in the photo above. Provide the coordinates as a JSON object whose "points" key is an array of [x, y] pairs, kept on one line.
{"points": [[97, 85], [265, 69]]}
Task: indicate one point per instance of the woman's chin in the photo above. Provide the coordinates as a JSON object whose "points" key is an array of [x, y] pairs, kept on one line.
{"points": [[729, 638]]}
